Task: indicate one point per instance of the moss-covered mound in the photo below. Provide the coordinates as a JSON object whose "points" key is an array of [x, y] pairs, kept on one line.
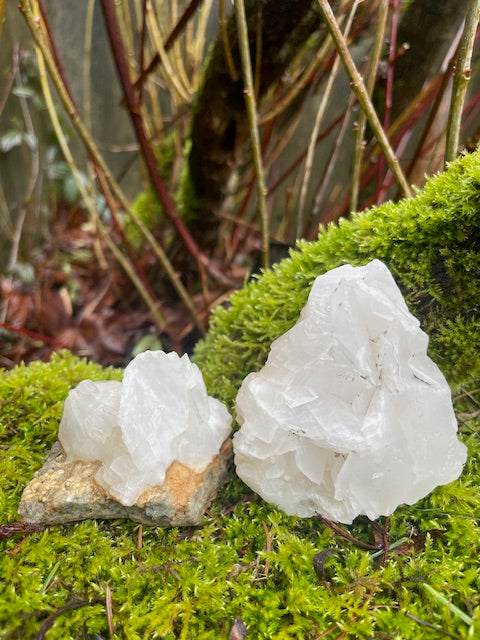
{"points": [[248, 559], [430, 243]]}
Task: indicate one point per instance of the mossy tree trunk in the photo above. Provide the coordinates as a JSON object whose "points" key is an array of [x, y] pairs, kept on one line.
{"points": [[220, 127]]}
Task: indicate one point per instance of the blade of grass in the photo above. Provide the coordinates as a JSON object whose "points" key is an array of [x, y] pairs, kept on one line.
{"points": [[450, 606], [49, 578]]}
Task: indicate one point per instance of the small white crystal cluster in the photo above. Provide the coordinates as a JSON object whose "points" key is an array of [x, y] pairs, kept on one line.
{"points": [[159, 413], [349, 415]]}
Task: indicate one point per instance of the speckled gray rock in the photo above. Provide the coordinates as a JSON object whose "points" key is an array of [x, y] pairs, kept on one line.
{"points": [[63, 492]]}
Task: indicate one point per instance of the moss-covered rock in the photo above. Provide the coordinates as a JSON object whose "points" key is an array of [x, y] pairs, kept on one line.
{"points": [[248, 559], [431, 243]]}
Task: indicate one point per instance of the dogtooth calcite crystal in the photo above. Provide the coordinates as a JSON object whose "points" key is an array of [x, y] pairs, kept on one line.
{"points": [[161, 412], [349, 415]]}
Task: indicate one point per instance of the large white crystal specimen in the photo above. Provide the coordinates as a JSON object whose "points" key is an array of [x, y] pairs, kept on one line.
{"points": [[159, 413], [349, 415]]}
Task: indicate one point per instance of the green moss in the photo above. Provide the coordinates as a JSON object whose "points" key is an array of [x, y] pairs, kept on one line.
{"points": [[149, 210], [146, 205], [247, 558], [252, 561]]}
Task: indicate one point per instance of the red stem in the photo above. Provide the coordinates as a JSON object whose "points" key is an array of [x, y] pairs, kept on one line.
{"points": [[34, 335], [300, 158], [172, 36], [100, 176], [133, 105]]}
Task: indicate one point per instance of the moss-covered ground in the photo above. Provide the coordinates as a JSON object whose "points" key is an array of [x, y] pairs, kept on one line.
{"points": [[247, 558]]}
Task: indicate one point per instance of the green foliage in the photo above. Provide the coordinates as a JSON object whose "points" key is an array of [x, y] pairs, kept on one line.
{"points": [[247, 558], [430, 243]]}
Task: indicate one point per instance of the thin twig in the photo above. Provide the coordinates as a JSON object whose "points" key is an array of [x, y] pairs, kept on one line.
{"points": [[424, 623], [11, 76], [152, 305], [73, 604], [362, 119], [346, 534], [268, 547], [286, 100], [252, 118], [316, 127], [358, 88], [2, 15], [174, 80], [387, 116], [323, 134], [171, 38], [324, 182], [461, 80], [23, 222], [65, 96], [87, 61], [446, 74], [109, 609], [133, 106]]}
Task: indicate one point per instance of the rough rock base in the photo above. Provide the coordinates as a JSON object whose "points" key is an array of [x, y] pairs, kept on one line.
{"points": [[63, 492]]}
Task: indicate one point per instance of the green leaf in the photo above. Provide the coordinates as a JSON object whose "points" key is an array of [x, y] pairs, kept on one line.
{"points": [[10, 139], [23, 92]]}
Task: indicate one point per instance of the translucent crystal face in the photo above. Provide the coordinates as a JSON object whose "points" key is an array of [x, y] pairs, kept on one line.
{"points": [[349, 415], [159, 413]]}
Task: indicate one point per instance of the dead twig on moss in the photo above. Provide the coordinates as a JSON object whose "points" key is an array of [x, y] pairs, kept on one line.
{"points": [[70, 606]]}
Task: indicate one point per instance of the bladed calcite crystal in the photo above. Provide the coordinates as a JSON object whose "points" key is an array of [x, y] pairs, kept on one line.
{"points": [[349, 415], [161, 412]]}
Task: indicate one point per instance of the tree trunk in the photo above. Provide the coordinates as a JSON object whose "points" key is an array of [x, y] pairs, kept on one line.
{"points": [[220, 126]]}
